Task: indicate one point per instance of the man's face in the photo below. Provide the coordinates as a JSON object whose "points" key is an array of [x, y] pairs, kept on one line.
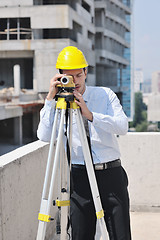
{"points": [[79, 76]]}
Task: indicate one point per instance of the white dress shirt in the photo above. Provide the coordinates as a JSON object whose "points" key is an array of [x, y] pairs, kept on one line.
{"points": [[109, 120]]}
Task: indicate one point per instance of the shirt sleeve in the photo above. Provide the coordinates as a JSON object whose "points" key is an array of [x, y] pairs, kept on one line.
{"points": [[46, 121], [114, 121]]}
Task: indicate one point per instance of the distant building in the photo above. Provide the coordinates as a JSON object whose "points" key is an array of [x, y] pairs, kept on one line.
{"points": [[138, 80], [156, 82], [146, 88], [154, 98], [154, 107]]}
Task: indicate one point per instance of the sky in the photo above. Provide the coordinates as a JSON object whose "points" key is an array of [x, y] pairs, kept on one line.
{"points": [[146, 36]]}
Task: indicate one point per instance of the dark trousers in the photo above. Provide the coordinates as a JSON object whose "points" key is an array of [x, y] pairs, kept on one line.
{"points": [[112, 184]]}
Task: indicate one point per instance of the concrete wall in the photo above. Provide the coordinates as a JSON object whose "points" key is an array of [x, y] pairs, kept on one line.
{"points": [[141, 158], [22, 174]]}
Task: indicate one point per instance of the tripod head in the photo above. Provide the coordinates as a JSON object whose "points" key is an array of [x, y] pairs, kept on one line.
{"points": [[68, 97]]}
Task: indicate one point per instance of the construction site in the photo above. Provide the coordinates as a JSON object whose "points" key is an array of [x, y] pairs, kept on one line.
{"points": [[32, 33]]}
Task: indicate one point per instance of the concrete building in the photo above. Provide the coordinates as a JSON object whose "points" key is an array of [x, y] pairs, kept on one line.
{"points": [[33, 32]]}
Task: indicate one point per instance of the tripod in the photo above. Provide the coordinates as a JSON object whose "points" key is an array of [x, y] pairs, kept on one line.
{"points": [[58, 153]]}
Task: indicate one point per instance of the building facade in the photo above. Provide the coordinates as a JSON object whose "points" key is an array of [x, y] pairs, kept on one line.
{"points": [[138, 80], [113, 48], [34, 31], [154, 99], [155, 82]]}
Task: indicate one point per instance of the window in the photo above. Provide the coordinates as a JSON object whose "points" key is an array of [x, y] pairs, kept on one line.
{"points": [[86, 6], [15, 29]]}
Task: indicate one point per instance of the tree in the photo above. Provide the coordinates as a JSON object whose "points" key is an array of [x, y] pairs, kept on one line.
{"points": [[142, 127], [140, 107]]}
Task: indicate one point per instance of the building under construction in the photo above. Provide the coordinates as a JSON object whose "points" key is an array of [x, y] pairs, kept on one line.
{"points": [[33, 32]]}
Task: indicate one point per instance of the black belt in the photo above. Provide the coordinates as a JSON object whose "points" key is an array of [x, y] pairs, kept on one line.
{"points": [[101, 166]]}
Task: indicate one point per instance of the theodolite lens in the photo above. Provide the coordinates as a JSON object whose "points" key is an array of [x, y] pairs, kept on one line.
{"points": [[64, 80]]}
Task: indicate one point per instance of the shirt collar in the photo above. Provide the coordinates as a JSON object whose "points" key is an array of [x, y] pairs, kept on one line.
{"points": [[85, 95]]}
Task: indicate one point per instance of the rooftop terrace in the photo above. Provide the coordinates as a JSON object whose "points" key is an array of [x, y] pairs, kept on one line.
{"points": [[21, 182]]}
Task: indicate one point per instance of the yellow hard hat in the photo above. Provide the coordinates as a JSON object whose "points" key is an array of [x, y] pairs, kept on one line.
{"points": [[71, 58]]}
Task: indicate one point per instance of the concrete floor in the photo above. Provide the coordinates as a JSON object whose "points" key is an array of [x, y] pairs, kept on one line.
{"points": [[144, 225]]}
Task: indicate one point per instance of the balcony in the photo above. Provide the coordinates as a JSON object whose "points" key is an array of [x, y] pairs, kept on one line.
{"points": [[21, 182]]}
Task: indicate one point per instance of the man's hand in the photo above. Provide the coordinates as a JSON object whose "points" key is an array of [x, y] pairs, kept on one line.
{"points": [[81, 103], [53, 86]]}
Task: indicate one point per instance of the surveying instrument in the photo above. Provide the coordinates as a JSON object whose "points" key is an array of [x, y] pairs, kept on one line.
{"points": [[60, 156]]}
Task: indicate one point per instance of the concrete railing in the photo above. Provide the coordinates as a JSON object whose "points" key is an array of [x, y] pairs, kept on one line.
{"points": [[21, 182], [22, 175]]}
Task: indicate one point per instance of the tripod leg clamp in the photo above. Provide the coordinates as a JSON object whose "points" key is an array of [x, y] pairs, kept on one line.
{"points": [[100, 214], [62, 203], [44, 218]]}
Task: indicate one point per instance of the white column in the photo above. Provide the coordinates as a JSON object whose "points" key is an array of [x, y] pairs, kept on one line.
{"points": [[16, 73], [8, 26]]}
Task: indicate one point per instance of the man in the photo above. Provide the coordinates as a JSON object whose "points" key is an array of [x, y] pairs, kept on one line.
{"points": [[105, 116]]}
